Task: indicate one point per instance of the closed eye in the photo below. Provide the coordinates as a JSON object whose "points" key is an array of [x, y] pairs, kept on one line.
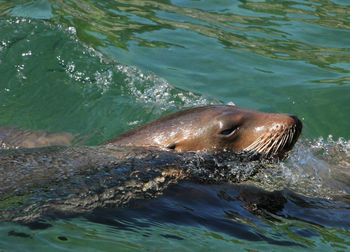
{"points": [[171, 146], [229, 131]]}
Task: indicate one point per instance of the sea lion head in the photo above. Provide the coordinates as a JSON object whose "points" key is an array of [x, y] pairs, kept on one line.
{"points": [[214, 129]]}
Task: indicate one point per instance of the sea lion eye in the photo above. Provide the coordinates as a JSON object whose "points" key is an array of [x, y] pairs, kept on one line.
{"points": [[228, 131], [171, 146]]}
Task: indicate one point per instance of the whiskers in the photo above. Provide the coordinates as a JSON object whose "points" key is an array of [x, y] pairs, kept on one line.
{"points": [[275, 143]]}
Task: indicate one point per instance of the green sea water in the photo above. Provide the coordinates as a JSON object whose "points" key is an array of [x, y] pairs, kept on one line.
{"points": [[99, 68]]}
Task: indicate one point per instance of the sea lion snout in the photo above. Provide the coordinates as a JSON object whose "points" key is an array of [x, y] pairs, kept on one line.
{"points": [[281, 122], [274, 134]]}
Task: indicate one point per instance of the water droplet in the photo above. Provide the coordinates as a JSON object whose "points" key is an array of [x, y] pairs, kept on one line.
{"points": [[72, 30]]}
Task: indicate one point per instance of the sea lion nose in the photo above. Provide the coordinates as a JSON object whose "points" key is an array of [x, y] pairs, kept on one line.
{"points": [[297, 122]]}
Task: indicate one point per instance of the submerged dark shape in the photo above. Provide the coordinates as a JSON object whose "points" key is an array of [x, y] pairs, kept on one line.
{"points": [[71, 180], [229, 142], [11, 138]]}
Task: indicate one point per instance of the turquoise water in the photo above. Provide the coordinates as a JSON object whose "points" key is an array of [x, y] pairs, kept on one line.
{"points": [[99, 68]]}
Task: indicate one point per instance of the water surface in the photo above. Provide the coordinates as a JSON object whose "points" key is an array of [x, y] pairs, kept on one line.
{"points": [[99, 68]]}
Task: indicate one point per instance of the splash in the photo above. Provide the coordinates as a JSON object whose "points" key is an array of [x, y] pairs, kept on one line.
{"points": [[315, 168], [151, 89]]}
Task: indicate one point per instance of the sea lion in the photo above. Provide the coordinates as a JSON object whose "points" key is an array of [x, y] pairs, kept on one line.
{"points": [[218, 128], [209, 129], [79, 179]]}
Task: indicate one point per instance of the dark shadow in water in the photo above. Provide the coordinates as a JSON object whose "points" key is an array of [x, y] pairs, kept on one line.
{"points": [[231, 209], [19, 234], [38, 225], [234, 209]]}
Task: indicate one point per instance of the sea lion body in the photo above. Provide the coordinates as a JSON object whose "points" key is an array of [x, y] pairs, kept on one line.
{"points": [[215, 129]]}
